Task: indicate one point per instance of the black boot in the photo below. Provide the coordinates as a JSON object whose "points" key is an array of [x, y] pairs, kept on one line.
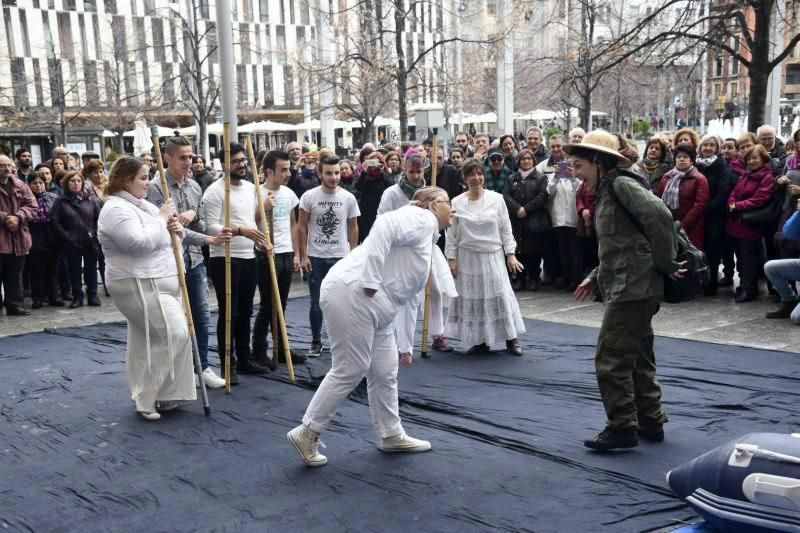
{"points": [[234, 375], [514, 347], [613, 438]]}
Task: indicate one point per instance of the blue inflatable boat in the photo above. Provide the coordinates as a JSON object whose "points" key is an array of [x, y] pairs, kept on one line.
{"points": [[750, 484]]}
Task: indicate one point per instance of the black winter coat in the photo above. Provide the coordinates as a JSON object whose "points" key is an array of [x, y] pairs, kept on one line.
{"points": [[369, 193], [73, 218], [719, 180], [530, 193]]}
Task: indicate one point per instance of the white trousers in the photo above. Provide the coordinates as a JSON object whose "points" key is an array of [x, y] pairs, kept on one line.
{"points": [[158, 359], [406, 322], [362, 344]]}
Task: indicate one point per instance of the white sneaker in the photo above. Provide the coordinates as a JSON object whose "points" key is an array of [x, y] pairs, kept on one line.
{"points": [[212, 380], [404, 443], [305, 441], [150, 415]]}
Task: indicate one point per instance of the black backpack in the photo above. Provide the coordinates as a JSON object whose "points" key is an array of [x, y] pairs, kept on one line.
{"points": [[697, 273]]}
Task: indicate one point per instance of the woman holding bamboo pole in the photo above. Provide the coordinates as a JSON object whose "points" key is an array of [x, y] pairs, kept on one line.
{"points": [[143, 280]]}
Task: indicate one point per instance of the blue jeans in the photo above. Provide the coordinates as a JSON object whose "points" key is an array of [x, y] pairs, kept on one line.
{"points": [[319, 269], [197, 286], [782, 273]]}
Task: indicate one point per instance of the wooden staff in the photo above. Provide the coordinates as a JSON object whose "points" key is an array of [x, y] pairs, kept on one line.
{"points": [[277, 308], [426, 309], [226, 138], [177, 251]]}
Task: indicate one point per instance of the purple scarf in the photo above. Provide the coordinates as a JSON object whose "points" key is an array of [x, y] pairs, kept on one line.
{"points": [[793, 163], [42, 215]]}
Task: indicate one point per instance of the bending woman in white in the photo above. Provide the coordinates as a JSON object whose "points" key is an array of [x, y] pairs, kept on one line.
{"points": [[360, 297], [476, 245], [143, 281]]}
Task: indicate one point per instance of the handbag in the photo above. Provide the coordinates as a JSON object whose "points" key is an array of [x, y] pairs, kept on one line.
{"points": [[766, 216]]}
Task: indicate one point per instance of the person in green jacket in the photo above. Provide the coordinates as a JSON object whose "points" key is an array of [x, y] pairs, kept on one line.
{"points": [[634, 257]]}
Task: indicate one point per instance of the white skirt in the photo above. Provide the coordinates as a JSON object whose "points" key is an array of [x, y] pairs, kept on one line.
{"points": [[486, 308], [158, 358]]}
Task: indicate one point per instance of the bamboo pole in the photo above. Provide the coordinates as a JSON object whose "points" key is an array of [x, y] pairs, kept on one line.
{"points": [[177, 251], [426, 312], [226, 139], [276, 295]]}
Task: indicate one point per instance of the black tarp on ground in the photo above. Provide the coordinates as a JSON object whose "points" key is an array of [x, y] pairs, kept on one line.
{"points": [[507, 435]]}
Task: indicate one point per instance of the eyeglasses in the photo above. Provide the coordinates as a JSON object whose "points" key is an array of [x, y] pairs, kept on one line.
{"points": [[243, 162], [496, 158]]}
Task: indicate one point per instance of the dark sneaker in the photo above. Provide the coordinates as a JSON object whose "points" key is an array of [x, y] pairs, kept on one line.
{"points": [[94, 301], [57, 302], [440, 344], [613, 438], [478, 348], [316, 348], [726, 282], [651, 432], [251, 366]]}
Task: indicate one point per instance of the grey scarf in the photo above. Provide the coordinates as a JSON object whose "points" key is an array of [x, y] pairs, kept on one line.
{"points": [[408, 188]]}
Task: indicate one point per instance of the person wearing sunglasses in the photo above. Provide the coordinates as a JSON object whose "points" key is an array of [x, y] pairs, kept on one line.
{"points": [[496, 171]]}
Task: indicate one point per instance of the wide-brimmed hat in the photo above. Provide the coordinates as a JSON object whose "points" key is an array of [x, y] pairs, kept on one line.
{"points": [[598, 141]]}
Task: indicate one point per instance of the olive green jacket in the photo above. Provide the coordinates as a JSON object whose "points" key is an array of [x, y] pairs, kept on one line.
{"points": [[631, 266]]}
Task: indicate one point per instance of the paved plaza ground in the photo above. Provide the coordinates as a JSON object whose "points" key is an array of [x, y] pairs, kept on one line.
{"points": [[718, 319]]}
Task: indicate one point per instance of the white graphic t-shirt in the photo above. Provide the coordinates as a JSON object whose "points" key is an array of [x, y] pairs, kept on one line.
{"points": [[285, 201], [327, 221]]}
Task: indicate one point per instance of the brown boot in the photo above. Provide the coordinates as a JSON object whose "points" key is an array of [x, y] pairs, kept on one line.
{"points": [[783, 311]]}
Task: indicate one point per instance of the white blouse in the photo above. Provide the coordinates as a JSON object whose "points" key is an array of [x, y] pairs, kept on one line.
{"points": [[480, 226], [136, 243]]}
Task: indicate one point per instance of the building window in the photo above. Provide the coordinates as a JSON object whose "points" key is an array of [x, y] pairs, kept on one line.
{"points": [[241, 84], [47, 35], [305, 17], [263, 11], [717, 90], [37, 82], [291, 12], [82, 29], [96, 30], [89, 5], [167, 83], [718, 66], [204, 9], [244, 38], [733, 88], [90, 81], [20, 82], [110, 6], [793, 74], [269, 96], [9, 32], [158, 39], [280, 35], [65, 34], [23, 24], [288, 84]]}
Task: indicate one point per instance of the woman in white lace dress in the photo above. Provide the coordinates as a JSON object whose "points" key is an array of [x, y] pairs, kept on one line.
{"points": [[479, 247]]}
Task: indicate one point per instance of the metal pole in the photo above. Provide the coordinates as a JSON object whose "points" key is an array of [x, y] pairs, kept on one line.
{"points": [[704, 73], [325, 41], [426, 307], [226, 63], [459, 67]]}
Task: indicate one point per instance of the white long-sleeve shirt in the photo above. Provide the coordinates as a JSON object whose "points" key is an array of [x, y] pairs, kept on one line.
{"points": [[395, 258], [136, 243], [563, 201], [243, 213], [480, 226]]}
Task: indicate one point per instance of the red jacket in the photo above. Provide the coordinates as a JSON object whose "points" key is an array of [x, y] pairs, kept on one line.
{"points": [[586, 199], [753, 190], [22, 203], [692, 202]]}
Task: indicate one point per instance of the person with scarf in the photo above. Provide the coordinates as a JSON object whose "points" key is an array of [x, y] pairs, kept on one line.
{"points": [[685, 191], [509, 146], [143, 279], [712, 165], [368, 189], [395, 197], [201, 173], [43, 257], [50, 184], [654, 165], [753, 190], [74, 220], [526, 197], [307, 177], [348, 176], [393, 166], [790, 179]]}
